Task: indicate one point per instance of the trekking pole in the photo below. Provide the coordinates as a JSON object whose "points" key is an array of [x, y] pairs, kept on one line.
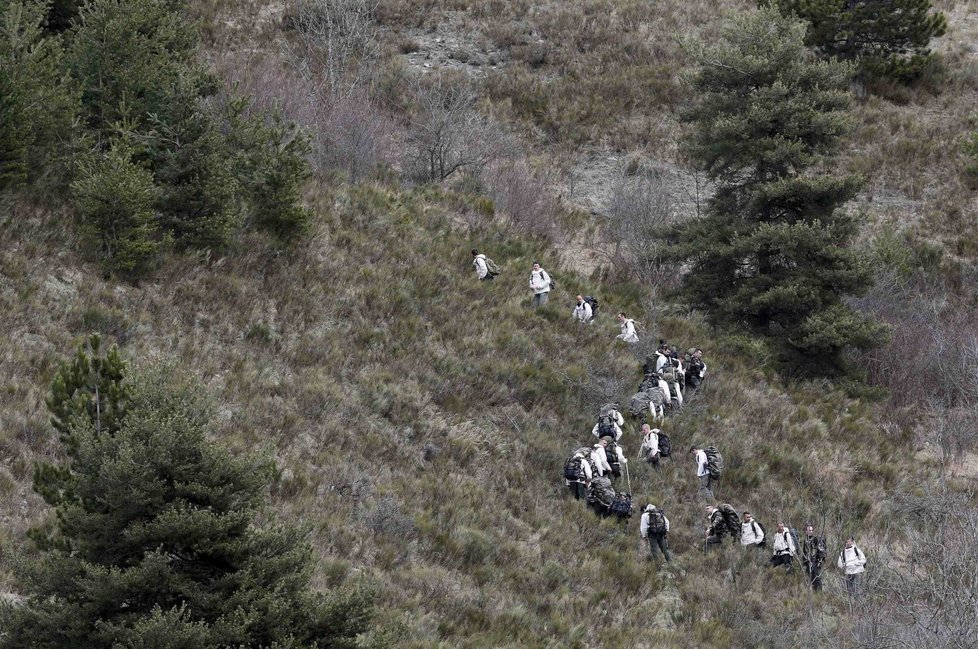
{"points": [[628, 478]]}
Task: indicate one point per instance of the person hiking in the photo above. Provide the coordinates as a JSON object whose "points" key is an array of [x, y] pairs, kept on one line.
{"points": [[752, 532], [661, 355], [649, 451], [608, 425], [654, 526], [627, 334], [599, 457], [718, 528], [702, 472], [484, 267], [615, 456], [852, 562], [695, 369], [812, 557], [583, 312], [577, 473], [670, 378], [784, 547], [540, 284], [600, 496]]}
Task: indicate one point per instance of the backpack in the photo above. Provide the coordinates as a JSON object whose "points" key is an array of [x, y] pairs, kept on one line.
{"points": [[731, 520], [639, 404], [613, 461], [601, 492], [668, 373], [794, 538], [492, 267], [594, 306], [665, 445], [621, 506], [757, 526], [573, 470], [714, 462], [606, 426], [657, 522]]}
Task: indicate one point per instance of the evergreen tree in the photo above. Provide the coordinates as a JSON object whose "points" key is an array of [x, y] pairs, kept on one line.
{"points": [[115, 201], [133, 59], [887, 37], [61, 13], [90, 389], [193, 164], [38, 101], [272, 168], [771, 253], [158, 545]]}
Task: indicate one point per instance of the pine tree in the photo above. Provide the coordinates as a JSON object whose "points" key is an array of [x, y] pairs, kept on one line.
{"points": [[158, 545], [886, 37], [272, 168], [115, 201], [38, 101], [89, 389], [134, 58], [771, 253], [192, 163]]}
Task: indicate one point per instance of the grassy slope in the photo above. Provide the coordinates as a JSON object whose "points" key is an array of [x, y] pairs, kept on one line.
{"points": [[422, 419]]}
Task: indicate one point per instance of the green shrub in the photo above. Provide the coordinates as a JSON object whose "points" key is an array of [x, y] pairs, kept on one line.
{"points": [[115, 201]]}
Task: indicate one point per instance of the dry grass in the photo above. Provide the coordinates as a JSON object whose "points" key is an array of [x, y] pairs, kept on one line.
{"points": [[420, 419]]}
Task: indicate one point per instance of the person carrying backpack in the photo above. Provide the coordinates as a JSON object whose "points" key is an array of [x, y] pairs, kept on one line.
{"points": [[703, 472], [852, 561], [599, 457], [608, 425], [627, 334], [723, 522], [654, 526], [540, 284], [583, 312], [577, 473], [485, 268], [613, 453], [752, 532], [812, 557], [784, 547], [600, 496], [695, 369], [649, 451]]}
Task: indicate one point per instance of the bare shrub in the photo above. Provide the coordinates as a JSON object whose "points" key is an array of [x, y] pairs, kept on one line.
{"points": [[334, 38], [524, 195], [349, 133], [448, 134], [954, 432], [638, 211]]}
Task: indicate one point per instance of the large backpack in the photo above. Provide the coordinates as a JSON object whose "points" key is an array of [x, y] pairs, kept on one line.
{"points": [[714, 462], [492, 267], [731, 520], [668, 373], [657, 522], [794, 537], [612, 452], [665, 445], [758, 526], [606, 426], [638, 405], [573, 470], [621, 506]]}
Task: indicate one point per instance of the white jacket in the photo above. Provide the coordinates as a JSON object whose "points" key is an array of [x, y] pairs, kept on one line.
{"points": [[539, 281], [643, 527], [650, 444], [784, 543], [582, 312], [481, 268], [628, 331], [594, 431], [600, 459], [852, 560], [588, 474], [701, 469], [751, 533], [660, 361], [664, 389]]}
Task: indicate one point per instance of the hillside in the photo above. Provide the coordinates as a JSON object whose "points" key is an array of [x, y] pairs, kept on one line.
{"points": [[420, 418]]}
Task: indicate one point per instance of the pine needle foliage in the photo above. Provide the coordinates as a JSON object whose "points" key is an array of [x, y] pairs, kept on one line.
{"points": [[158, 544], [887, 38], [771, 253]]}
